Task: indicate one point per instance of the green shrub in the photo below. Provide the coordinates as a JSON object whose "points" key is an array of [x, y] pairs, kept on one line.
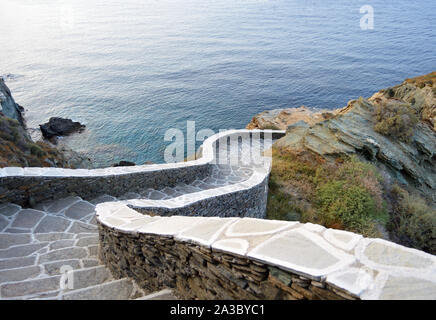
{"points": [[350, 206], [281, 207], [346, 194], [413, 222], [36, 150], [396, 120]]}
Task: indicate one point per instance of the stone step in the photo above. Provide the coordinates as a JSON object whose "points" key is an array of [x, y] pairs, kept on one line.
{"points": [[88, 277], [166, 294], [29, 287], [114, 290]]}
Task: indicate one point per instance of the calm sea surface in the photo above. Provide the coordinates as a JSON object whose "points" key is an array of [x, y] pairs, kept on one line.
{"points": [[131, 69]]}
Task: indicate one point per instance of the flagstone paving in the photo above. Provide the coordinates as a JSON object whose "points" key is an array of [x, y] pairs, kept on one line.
{"points": [[363, 267], [42, 246], [32, 261]]}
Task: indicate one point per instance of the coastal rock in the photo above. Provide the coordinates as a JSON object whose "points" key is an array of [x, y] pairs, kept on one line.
{"points": [[124, 163], [9, 107], [19, 150], [280, 119], [350, 130], [60, 127]]}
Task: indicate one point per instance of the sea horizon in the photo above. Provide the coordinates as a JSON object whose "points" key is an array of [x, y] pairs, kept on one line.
{"points": [[131, 71]]}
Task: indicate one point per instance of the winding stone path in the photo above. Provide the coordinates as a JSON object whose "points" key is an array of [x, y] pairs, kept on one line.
{"points": [[210, 201], [36, 244]]}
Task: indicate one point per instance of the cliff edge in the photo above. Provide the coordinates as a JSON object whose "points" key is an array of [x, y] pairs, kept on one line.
{"points": [[17, 149], [385, 145]]}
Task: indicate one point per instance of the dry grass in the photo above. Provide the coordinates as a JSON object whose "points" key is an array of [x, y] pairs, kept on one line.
{"points": [[17, 150], [422, 81], [346, 194]]}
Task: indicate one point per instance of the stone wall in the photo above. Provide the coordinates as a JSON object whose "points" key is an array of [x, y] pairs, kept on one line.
{"points": [[246, 258], [27, 190], [197, 272], [28, 186]]}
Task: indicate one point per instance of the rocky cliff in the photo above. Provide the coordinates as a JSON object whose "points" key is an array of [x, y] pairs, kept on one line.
{"points": [[9, 107], [406, 150], [16, 146], [369, 167]]}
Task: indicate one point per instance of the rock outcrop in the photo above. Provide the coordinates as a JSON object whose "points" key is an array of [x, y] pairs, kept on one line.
{"points": [[60, 127], [19, 150], [280, 119], [124, 163], [9, 107], [350, 130]]}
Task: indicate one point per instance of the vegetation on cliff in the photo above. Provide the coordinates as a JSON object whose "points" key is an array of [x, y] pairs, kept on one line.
{"points": [[345, 194], [18, 150], [369, 167]]}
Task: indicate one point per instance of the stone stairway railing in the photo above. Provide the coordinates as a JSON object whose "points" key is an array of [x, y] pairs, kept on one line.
{"points": [[182, 226]]}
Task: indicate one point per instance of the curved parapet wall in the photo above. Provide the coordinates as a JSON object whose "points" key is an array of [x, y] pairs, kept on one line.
{"points": [[246, 258], [28, 186], [185, 226]]}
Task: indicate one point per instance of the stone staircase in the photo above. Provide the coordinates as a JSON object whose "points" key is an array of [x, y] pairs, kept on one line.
{"points": [[39, 245], [40, 249], [57, 242]]}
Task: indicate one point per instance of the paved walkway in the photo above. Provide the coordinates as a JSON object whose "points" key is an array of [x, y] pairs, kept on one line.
{"points": [[38, 246]]}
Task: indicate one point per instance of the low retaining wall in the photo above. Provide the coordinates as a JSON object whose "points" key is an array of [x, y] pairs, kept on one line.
{"points": [[245, 258], [29, 190], [197, 272], [28, 186], [248, 202]]}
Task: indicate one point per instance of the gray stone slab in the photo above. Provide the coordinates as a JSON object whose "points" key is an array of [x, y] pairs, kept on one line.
{"points": [[90, 277], [79, 210], [9, 239], [19, 274], [87, 241], [62, 204], [381, 253], [303, 253], [53, 268], [27, 218], [86, 235], [9, 209], [59, 244], [3, 223], [52, 224], [17, 262], [408, 288], [104, 198], [22, 250], [115, 290], [81, 227], [29, 287], [93, 251], [90, 263], [93, 220], [52, 295], [63, 254], [16, 230], [53, 236]]}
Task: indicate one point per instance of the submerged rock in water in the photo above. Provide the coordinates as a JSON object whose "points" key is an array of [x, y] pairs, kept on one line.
{"points": [[60, 127], [123, 163]]}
